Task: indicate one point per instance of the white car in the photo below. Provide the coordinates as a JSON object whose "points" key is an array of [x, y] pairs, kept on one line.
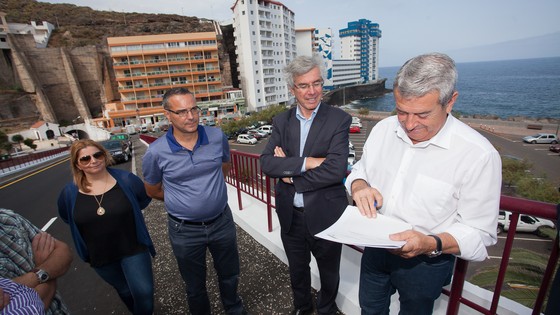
{"points": [[266, 128], [526, 223], [356, 122], [542, 138], [351, 157], [246, 139]]}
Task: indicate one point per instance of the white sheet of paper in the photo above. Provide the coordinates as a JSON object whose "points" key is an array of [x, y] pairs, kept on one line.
{"points": [[355, 229]]}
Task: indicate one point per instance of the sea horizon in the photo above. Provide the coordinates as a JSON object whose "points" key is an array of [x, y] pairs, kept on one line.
{"points": [[502, 89]]}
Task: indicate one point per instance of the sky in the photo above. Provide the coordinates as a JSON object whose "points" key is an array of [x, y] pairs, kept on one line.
{"points": [[409, 27]]}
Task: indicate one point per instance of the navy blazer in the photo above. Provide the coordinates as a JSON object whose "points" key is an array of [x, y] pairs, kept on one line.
{"points": [[324, 194]]}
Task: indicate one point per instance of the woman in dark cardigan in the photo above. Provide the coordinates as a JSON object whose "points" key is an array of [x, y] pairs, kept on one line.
{"points": [[103, 207]]}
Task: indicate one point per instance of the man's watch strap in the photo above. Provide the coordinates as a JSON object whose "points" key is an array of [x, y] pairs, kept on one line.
{"points": [[438, 250]]}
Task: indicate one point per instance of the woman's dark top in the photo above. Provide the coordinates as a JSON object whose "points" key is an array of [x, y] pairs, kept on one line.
{"points": [[109, 237]]}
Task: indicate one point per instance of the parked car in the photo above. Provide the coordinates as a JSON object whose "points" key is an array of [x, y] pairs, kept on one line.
{"points": [[555, 148], [351, 157], [266, 128], [526, 223], [247, 139], [541, 138], [120, 151], [350, 145], [255, 133], [354, 128], [356, 121], [122, 137]]}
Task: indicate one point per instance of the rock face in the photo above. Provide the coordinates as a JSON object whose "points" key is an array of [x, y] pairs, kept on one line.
{"points": [[348, 94], [73, 76]]}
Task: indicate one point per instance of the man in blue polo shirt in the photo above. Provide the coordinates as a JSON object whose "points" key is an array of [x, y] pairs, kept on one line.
{"points": [[187, 167]]}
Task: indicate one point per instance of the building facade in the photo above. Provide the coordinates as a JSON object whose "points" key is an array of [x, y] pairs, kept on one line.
{"points": [[311, 41], [360, 41], [146, 66], [346, 72], [265, 41], [41, 32]]}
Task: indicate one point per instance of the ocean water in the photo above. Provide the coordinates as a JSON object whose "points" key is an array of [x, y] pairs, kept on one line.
{"points": [[509, 88]]}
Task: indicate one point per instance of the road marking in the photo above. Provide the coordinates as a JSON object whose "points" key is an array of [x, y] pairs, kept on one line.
{"points": [[528, 239], [34, 173], [46, 227], [495, 257]]}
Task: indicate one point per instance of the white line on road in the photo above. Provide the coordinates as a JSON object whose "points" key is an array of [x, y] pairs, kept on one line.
{"points": [[46, 227], [527, 239]]}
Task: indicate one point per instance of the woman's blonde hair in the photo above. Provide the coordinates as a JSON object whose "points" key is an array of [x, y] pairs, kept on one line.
{"points": [[80, 178]]}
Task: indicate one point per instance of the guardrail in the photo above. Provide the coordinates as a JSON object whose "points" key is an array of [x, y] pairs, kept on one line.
{"points": [[9, 164], [248, 178]]}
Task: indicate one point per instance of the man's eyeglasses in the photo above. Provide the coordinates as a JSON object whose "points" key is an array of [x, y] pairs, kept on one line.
{"points": [[305, 86], [86, 159], [185, 112]]}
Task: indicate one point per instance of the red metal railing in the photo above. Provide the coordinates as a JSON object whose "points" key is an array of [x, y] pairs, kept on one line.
{"points": [[17, 162], [248, 178]]}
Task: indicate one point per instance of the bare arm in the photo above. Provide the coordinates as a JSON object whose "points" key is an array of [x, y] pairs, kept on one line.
{"points": [[54, 257], [154, 191]]}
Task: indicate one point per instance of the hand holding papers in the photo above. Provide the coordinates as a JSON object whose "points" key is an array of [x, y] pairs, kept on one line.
{"points": [[355, 229]]}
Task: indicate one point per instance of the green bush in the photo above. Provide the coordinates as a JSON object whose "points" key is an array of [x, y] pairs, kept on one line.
{"points": [[29, 142], [363, 111]]}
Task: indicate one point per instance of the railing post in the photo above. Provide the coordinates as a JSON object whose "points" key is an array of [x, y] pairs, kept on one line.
{"points": [[459, 276], [268, 203], [547, 277], [235, 159]]}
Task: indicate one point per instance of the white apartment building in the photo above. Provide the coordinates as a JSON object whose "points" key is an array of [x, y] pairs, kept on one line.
{"points": [[360, 41], [346, 72], [265, 41]]}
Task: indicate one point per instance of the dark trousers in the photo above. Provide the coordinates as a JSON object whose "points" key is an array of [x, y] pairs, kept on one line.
{"points": [[418, 280], [190, 243], [299, 244]]}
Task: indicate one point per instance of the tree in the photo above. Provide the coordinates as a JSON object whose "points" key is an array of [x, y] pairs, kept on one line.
{"points": [[363, 111], [29, 142], [17, 139], [5, 144]]}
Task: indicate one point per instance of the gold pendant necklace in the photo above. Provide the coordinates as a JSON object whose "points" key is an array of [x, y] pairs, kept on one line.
{"points": [[101, 210]]}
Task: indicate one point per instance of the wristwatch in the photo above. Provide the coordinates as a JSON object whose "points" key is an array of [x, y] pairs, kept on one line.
{"points": [[436, 252], [42, 275]]}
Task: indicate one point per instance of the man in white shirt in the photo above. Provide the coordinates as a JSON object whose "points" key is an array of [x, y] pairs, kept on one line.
{"points": [[429, 169]]}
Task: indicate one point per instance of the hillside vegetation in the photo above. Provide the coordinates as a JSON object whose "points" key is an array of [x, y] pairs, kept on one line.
{"points": [[81, 26]]}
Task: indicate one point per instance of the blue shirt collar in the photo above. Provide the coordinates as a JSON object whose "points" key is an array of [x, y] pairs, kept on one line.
{"points": [[176, 147], [300, 116]]}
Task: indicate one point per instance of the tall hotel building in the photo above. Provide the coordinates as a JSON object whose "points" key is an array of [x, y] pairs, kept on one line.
{"points": [[265, 41], [146, 66], [360, 41]]}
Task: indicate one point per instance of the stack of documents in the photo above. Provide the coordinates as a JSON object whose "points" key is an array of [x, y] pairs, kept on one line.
{"points": [[355, 229]]}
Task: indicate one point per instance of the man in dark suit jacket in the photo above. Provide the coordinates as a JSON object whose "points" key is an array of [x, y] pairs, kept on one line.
{"points": [[308, 150]]}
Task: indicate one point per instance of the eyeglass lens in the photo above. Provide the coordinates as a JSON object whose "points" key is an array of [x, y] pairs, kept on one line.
{"points": [[87, 158]]}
